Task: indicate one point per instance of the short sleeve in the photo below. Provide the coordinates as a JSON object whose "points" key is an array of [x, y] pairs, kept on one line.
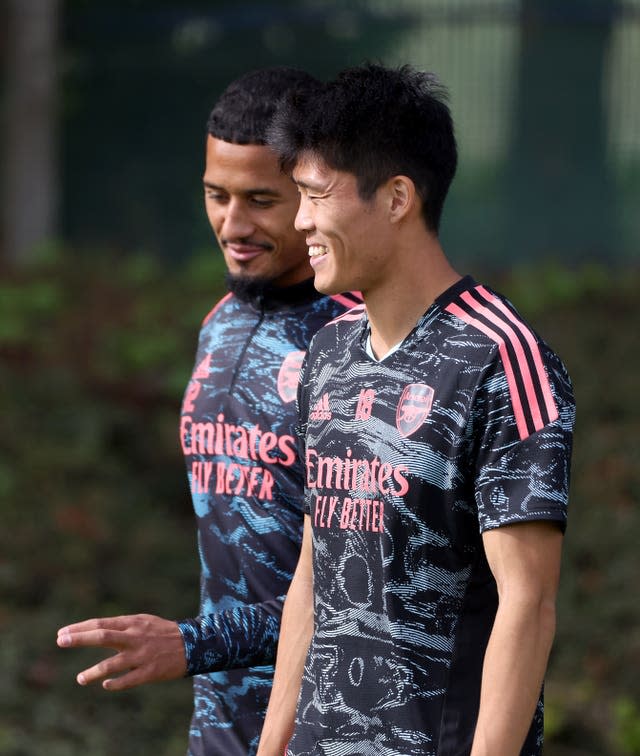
{"points": [[522, 475]]}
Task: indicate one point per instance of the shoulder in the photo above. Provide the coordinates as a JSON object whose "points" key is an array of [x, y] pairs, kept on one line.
{"points": [[341, 326], [346, 301], [332, 307], [219, 307], [307, 317], [480, 309], [333, 342], [517, 358], [336, 314], [492, 319]]}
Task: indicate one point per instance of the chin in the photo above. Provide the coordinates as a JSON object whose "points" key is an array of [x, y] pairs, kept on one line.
{"points": [[325, 286]]}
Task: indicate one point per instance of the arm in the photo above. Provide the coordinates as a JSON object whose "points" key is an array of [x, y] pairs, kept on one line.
{"points": [[295, 636], [152, 649], [244, 636], [525, 561]]}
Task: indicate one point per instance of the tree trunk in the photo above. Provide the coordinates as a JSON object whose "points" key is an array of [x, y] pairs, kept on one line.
{"points": [[29, 162]]}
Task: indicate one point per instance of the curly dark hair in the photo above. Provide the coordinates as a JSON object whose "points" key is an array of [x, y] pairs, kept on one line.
{"points": [[374, 122], [244, 110]]}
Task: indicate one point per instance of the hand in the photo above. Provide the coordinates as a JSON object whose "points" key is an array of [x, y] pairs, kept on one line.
{"points": [[148, 649]]}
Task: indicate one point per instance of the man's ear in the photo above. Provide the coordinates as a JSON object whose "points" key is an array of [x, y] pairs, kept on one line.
{"points": [[402, 197]]}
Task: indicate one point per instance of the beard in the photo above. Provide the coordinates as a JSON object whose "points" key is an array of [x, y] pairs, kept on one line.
{"points": [[264, 294], [249, 288]]}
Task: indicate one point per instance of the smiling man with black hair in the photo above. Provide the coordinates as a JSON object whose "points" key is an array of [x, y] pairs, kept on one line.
{"points": [[436, 428]]}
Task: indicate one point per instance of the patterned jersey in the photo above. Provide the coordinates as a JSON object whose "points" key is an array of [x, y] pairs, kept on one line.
{"points": [[237, 434], [467, 426]]}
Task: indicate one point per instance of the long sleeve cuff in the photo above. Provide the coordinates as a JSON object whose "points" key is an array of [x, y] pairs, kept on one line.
{"points": [[244, 636]]}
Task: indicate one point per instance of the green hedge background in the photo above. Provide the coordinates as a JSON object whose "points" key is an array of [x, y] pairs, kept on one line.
{"points": [[96, 514], [97, 341]]}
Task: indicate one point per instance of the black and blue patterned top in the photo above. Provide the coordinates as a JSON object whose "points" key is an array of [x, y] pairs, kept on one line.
{"points": [[237, 432]]}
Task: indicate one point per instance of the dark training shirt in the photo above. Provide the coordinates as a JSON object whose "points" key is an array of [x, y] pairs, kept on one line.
{"points": [[466, 427], [237, 432]]}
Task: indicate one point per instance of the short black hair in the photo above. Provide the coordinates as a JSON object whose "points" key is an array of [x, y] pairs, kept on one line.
{"points": [[374, 122], [245, 108]]}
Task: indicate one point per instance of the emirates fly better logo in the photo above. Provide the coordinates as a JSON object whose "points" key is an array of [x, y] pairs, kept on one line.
{"points": [[413, 408]]}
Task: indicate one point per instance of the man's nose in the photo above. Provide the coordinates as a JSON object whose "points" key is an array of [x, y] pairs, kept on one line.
{"points": [[237, 223], [303, 220]]}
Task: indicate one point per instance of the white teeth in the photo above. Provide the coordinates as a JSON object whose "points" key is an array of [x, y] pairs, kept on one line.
{"points": [[316, 250]]}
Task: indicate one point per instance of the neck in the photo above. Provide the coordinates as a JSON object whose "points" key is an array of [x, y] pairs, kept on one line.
{"points": [[394, 307]]}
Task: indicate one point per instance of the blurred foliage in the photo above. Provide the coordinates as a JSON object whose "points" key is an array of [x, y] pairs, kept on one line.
{"points": [[139, 80], [590, 316], [95, 351], [96, 514]]}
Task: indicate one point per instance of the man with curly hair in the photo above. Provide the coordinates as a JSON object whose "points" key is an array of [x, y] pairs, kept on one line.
{"points": [[237, 431]]}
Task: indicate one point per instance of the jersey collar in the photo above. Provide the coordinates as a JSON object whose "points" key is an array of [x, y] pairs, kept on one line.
{"points": [[447, 296]]}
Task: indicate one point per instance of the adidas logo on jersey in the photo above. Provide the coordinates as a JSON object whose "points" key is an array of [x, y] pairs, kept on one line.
{"points": [[321, 409]]}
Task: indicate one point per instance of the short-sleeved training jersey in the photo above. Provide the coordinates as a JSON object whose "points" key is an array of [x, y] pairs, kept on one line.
{"points": [[237, 434], [465, 427]]}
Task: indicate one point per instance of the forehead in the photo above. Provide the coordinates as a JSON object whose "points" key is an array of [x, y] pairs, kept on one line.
{"points": [[312, 172], [241, 167]]}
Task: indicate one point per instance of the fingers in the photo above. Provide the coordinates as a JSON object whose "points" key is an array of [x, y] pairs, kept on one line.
{"points": [[114, 665], [124, 682], [115, 639], [108, 632], [149, 649], [103, 623], [125, 670], [116, 674], [129, 669]]}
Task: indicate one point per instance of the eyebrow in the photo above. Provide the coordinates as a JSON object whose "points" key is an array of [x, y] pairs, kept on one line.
{"points": [[306, 185], [247, 192]]}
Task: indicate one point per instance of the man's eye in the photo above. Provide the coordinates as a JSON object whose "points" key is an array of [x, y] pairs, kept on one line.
{"points": [[262, 202], [214, 196]]}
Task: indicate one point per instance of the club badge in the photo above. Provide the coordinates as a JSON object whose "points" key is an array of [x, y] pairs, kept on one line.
{"points": [[288, 376], [413, 408]]}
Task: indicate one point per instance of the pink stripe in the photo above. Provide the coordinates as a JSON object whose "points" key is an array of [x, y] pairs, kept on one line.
{"points": [[355, 313], [530, 391], [549, 401], [511, 380], [341, 299], [213, 311]]}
